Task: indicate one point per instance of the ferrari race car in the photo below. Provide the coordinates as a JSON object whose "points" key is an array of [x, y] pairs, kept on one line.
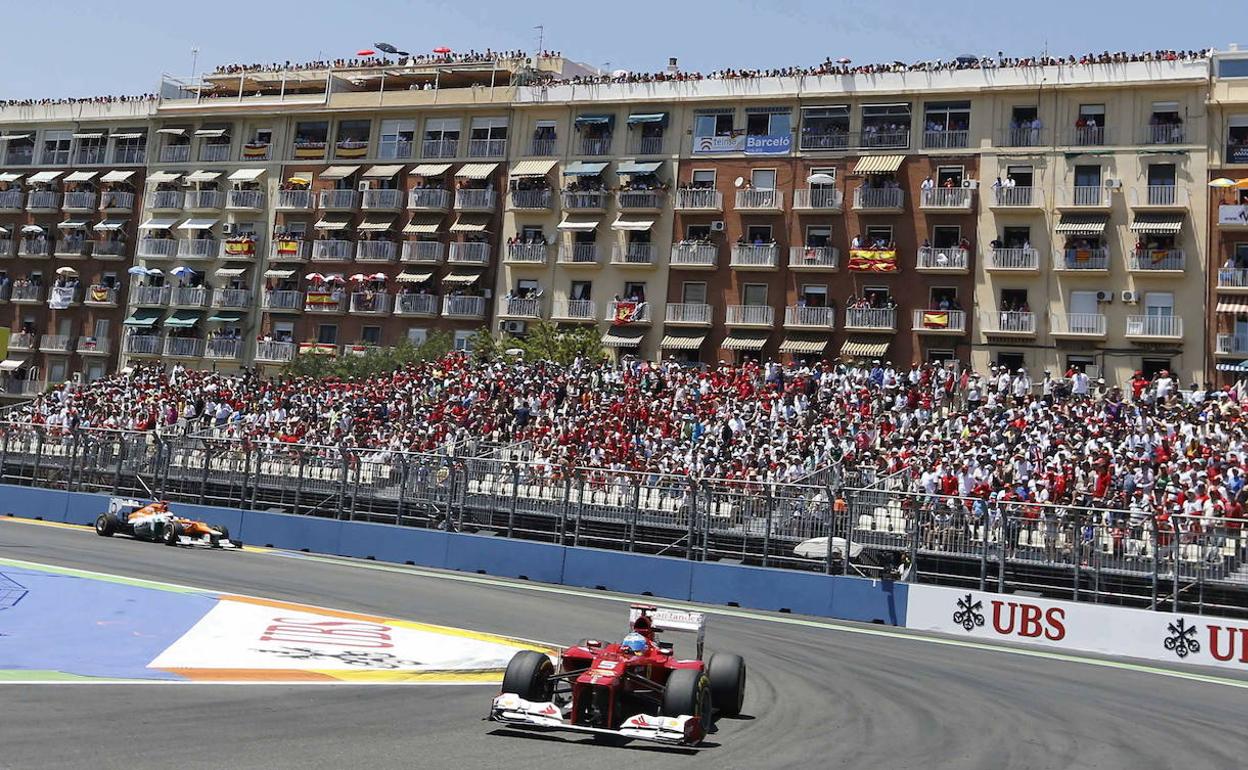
{"points": [[635, 689], [155, 522]]}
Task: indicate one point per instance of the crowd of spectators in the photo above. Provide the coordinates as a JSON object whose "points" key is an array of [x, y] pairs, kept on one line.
{"points": [[367, 62], [78, 100]]}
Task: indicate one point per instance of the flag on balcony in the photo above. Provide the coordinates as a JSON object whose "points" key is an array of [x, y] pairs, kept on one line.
{"points": [[288, 247], [61, 297], [310, 150], [627, 313], [252, 151], [873, 260], [351, 150], [99, 294], [1158, 255], [936, 319], [321, 298], [240, 247]]}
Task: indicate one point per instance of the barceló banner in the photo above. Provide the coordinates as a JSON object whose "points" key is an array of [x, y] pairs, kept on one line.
{"points": [[1159, 636]]}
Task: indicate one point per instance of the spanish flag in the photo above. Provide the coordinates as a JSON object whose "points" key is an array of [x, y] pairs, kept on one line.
{"points": [[99, 294], [936, 319], [625, 313], [873, 260], [321, 298]]}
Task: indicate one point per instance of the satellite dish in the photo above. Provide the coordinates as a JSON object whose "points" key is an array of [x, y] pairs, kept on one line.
{"points": [[738, 181]]}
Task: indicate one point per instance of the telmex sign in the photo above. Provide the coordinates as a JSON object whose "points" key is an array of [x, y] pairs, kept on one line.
{"points": [[1159, 636], [762, 144]]}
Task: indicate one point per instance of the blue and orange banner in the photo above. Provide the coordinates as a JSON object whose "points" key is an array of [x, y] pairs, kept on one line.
{"points": [[873, 260]]}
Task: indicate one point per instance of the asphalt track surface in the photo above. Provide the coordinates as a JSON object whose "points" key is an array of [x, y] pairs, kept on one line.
{"points": [[816, 697]]}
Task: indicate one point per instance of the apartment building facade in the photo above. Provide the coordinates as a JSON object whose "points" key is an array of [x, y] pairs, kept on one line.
{"points": [[817, 217], [1227, 300]]}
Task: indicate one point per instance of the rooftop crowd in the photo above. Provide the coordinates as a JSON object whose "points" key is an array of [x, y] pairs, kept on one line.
{"points": [[1149, 444], [367, 62]]}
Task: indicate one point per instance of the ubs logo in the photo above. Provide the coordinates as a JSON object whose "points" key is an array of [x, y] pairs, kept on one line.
{"points": [[969, 613], [1182, 638]]}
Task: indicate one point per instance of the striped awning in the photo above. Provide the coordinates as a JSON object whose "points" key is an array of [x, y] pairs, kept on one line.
{"points": [[406, 277], [863, 348], [634, 167], [81, 176], [1242, 366], [470, 223], [1083, 224], [682, 341], [163, 176], [274, 273], [334, 222], [745, 341], [382, 172], [230, 272], [803, 345], [623, 338], [533, 167], [1231, 305], [117, 176], [579, 224], [334, 173], [632, 224], [464, 278], [202, 176], [246, 175], [382, 222], [584, 168], [427, 224], [879, 164], [1157, 224], [476, 170], [431, 169]]}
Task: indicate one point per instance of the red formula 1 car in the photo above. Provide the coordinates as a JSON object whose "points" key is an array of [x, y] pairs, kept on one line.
{"points": [[636, 688]]}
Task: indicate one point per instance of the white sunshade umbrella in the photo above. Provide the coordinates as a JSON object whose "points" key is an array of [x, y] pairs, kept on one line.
{"points": [[821, 179], [817, 548], [66, 271]]}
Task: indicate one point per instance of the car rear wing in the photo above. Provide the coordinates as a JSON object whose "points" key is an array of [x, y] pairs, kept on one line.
{"points": [[670, 619], [118, 505]]}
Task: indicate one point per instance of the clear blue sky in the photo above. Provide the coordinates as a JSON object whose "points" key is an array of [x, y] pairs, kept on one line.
{"points": [[90, 47]]}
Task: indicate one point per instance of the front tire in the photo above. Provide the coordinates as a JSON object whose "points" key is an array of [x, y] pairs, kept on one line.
{"points": [[726, 673], [104, 525], [173, 531], [688, 693], [528, 676]]}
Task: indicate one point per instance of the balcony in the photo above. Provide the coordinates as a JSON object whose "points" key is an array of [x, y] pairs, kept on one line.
{"points": [[835, 140], [634, 255], [579, 255], [695, 256], [814, 258], [543, 148], [214, 153], [575, 310], [34, 248], [1165, 134], [1160, 196], [143, 344], [223, 349], [10, 201], [1084, 197], [879, 199], [1233, 217], [1231, 345], [947, 199], [750, 316], [109, 250], [1233, 280], [188, 296], [1077, 325], [1087, 136], [309, 150], [416, 305], [1023, 137], [165, 200], [946, 140], [520, 307], [43, 200], [871, 319], [100, 295], [594, 145], [325, 302], [239, 248], [463, 307], [800, 317], [423, 252], [290, 250], [8, 247], [1016, 198], [93, 346], [232, 298], [116, 201], [204, 200], [175, 153], [589, 200], [184, 347], [699, 199], [439, 148], [1013, 260], [376, 251], [881, 139], [1157, 261], [475, 200], [79, 201], [939, 321], [72, 248], [531, 200], [245, 200], [1086, 261], [24, 341], [56, 343], [282, 300], [526, 254], [382, 200], [761, 257], [428, 199], [370, 303], [327, 250], [487, 148], [294, 200], [640, 200], [339, 200], [760, 200], [257, 151], [1154, 328], [951, 260], [818, 199], [638, 311], [469, 253], [688, 314], [273, 352], [199, 248], [149, 296]]}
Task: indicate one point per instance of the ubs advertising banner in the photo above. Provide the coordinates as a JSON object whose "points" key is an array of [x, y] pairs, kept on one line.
{"points": [[1158, 636]]}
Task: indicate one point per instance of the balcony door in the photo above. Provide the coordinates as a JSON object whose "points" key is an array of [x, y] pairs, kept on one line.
{"points": [[1158, 304]]}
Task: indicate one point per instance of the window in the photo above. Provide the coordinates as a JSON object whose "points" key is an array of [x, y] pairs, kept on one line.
{"points": [[1161, 174], [704, 178], [1010, 360], [814, 295], [442, 129], [396, 139], [940, 355], [1092, 114], [763, 178], [1237, 139], [130, 146], [417, 336], [532, 234], [100, 330], [1233, 68], [1151, 367], [767, 124], [56, 147], [1016, 237], [91, 149], [370, 335], [463, 340], [20, 152], [635, 291], [1014, 299], [947, 116], [946, 236], [886, 125], [1085, 364], [713, 125], [1023, 176], [95, 371], [693, 293], [581, 290], [825, 128], [352, 141], [1024, 115], [952, 175], [1159, 303], [754, 294], [818, 236], [758, 234], [526, 287], [311, 132], [943, 297], [327, 334], [698, 232], [489, 128], [1087, 176], [879, 234], [829, 172]]}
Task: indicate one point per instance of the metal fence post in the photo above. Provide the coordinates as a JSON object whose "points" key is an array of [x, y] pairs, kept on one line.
{"points": [[398, 513], [121, 460], [34, 473], [1078, 554], [691, 507], [914, 547], [355, 486], [515, 500], [299, 480], [73, 462], [833, 500], [986, 533], [255, 480], [563, 509], [576, 530], [850, 514], [704, 519], [632, 523], [1156, 564], [769, 502], [341, 492], [1003, 548], [4, 455]]}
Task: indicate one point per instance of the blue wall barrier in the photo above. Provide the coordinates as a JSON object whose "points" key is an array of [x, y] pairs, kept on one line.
{"points": [[808, 593]]}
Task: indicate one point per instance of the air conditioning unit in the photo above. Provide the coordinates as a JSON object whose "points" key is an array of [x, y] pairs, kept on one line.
{"points": [[365, 185], [514, 327], [227, 228], [717, 226], [1113, 184], [1104, 296], [1130, 297], [970, 184]]}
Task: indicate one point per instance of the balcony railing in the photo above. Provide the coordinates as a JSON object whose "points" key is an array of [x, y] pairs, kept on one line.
{"points": [[469, 253], [819, 198], [282, 299], [946, 198], [214, 153], [1008, 322], [810, 317], [945, 140], [1013, 259], [11, 200], [56, 343], [143, 344], [245, 199], [487, 148], [884, 139], [109, 249], [1157, 259], [115, 200], [814, 257], [641, 199], [1232, 278], [1023, 137], [199, 248], [639, 311], [475, 200], [543, 147], [370, 303], [93, 346], [184, 347], [765, 200], [175, 153], [578, 254], [416, 304], [575, 310], [8, 247], [1081, 259], [43, 200], [594, 200], [204, 199], [99, 294], [1231, 344], [879, 198], [79, 201], [527, 253], [1087, 136], [289, 250], [429, 199], [463, 307], [328, 250], [688, 313], [24, 341], [835, 140], [294, 200], [1088, 195], [188, 296], [1017, 197], [339, 199], [939, 321], [150, 295], [750, 315], [257, 151], [699, 199], [590, 145], [1165, 134], [32, 247], [273, 352], [878, 318], [531, 199], [1161, 196], [233, 298], [166, 200], [635, 254], [952, 259], [309, 150], [325, 301], [388, 200], [520, 307], [423, 252], [694, 255], [395, 149], [439, 148], [223, 348], [760, 257], [1164, 326], [1077, 324], [376, 251]]}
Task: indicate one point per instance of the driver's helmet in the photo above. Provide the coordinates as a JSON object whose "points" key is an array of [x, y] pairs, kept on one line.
{"points": [[634, 642]]}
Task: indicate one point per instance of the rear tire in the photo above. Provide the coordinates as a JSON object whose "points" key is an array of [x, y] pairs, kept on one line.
{"points": [[688, 693], [172, 532], [528, 676], [726, 673], [104, 526]]}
